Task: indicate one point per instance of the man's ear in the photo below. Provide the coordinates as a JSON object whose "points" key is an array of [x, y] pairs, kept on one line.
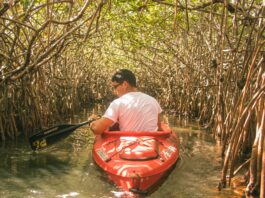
{"points": [[126, 83]]}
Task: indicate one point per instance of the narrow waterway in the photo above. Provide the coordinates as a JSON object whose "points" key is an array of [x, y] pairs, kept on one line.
{"points": [[67, 170]]}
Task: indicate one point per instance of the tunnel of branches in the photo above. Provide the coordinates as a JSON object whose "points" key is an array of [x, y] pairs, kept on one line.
{"points": [[203, 60]]}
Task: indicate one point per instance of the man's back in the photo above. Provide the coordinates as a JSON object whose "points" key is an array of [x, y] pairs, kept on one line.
{"points": [[135, 111]]}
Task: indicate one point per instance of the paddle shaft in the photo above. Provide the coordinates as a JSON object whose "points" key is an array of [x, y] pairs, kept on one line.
{"points": [[68, 129], [52, 135]]}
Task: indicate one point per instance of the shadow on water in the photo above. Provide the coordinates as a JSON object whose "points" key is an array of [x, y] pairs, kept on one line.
{"points": [[67, 169]]}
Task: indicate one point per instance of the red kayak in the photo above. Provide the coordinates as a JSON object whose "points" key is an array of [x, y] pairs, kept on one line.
{"points": [[136, 161]]}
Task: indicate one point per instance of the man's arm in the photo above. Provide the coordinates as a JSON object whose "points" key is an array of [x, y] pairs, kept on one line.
{"points": [[100, 125]]}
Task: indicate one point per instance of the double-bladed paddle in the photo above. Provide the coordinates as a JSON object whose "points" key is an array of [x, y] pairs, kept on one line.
{"points": [[54, 134]]}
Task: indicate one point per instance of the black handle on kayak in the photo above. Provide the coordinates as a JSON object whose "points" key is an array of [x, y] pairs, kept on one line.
{"points": [[54, 134]]}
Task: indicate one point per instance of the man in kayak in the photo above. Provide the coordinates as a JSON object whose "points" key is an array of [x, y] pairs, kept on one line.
{"points": [[132, 110]]}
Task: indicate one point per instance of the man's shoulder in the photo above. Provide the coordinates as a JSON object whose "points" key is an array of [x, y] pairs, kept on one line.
{"points": [[147, 96]]}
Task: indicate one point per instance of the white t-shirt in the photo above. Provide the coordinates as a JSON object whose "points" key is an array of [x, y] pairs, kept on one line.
{"points": [[134, 111]]}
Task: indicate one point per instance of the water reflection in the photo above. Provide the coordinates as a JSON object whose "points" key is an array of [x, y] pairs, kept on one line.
{"points": [[67, 169]]}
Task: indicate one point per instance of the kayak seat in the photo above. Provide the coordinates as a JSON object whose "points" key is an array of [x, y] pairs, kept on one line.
{"points": [[138, 148]]}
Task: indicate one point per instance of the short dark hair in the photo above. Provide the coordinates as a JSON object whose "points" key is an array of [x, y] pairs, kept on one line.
{"points": [[124, 75]]}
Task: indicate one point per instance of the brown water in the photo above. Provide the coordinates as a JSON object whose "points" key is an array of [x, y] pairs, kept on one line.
{"points": [[66, 169]]}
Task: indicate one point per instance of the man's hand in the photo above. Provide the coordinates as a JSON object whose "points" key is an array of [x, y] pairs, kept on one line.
{"points": [[100, 125]]}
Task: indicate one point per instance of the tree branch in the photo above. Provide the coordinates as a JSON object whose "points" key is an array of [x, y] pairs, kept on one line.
{"points": [[230, 7], [6, 7]]}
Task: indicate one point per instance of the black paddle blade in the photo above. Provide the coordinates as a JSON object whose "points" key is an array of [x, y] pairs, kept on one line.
{"points": [[52, 135]]}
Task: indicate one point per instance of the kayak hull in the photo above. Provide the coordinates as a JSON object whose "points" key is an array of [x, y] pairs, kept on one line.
{"points": [[136, 161]]}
